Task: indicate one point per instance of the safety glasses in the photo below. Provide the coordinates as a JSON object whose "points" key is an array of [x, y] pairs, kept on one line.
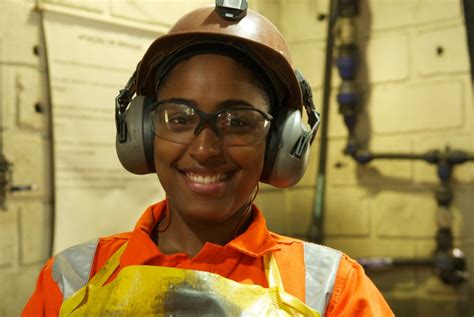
{"points": [[178, 122]]}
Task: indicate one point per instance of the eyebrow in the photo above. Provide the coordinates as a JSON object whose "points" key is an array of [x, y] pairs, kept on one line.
{"points": [[234, 102]]}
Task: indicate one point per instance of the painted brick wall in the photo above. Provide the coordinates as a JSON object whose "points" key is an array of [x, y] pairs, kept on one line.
{"points": [[26, 221], [415, 99]]}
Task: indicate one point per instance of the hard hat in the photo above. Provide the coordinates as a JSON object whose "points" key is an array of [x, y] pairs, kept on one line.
{"points": [[253, 33], [250, 36]]}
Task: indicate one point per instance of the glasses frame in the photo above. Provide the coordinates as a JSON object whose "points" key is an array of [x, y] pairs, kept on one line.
{"points": [[205, 118]]}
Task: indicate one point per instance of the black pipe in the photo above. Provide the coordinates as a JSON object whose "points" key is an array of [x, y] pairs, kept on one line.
{"points": [[364, 157], [4, 167], [449, 262], [383, 263], [468, 6], [316, 231], [450, 157], [49, 102], [449, 265]]}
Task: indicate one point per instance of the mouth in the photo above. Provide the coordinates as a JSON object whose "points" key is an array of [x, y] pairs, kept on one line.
{"points": [[207, 182], [207, 179]]}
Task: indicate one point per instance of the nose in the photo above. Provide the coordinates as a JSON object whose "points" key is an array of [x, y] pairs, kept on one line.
{"points": [[206, 145]]}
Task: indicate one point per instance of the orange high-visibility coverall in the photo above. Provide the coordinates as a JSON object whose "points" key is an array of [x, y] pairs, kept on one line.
{"points": [[240, 260]]}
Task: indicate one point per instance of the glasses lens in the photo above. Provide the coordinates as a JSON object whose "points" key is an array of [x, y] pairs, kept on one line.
{"points": [[178, 123], [244, 126], [175, 122]]}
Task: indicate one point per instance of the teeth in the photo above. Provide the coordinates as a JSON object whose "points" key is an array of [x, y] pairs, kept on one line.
{"points": [[206, 179]]}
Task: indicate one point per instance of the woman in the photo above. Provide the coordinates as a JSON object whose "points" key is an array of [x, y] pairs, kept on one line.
{"points": [[217, 109]]}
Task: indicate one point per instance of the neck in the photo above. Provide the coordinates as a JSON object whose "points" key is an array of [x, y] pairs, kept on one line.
{"points": [[188, 236]]}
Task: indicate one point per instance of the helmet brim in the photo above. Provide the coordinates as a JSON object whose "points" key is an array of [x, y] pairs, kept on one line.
{"points": [[275, 62]]}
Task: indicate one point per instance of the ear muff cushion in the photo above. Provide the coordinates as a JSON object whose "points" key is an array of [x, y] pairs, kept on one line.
{"points": [[281, 167], [136, 153]]}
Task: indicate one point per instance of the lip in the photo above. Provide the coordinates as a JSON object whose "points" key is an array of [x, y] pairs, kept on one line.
{"points": [[206, 182]]}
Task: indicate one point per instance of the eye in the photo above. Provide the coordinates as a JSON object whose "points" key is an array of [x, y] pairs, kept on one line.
{"points": [[233, 120], [179, 119], [236, 121]]}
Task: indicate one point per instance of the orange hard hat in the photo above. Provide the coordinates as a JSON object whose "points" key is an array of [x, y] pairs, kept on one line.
{"points": [[253, 34]]}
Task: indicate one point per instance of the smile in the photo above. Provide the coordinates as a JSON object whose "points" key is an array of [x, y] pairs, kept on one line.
{"points": [[207, 179]]}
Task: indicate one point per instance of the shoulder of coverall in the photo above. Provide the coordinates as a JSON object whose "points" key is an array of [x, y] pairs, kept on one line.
{"points": [[72, 267]]}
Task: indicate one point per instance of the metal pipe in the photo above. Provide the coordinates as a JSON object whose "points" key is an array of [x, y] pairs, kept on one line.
{"points": [[316, 232], [449, 265], [448, 261], [450, 157], [49, 113]]}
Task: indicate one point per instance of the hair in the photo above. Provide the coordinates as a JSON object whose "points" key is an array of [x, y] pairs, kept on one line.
{"points": [[256, 81], [264, 81]]}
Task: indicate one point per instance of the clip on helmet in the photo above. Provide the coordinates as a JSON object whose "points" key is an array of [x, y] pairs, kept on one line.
{"points": [[231, 9], [252, 35]]}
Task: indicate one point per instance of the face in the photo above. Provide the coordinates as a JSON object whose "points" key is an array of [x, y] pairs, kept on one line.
{"points": [[206, 181]]}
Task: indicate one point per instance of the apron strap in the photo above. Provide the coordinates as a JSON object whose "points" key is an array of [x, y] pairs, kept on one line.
{"points": [[109, 268], [272, 272]]}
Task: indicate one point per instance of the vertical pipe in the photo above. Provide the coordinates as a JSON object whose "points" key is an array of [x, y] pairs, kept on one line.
{"points": [[49, 112], [468, 6], [316, 233], [4, 164]]}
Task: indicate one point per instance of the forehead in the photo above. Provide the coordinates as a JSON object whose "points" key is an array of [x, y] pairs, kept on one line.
{"points": [[210, 79]]}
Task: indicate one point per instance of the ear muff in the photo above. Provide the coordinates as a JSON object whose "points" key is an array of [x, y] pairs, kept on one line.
{"points": [[288, 143], [285, 163], [135, 148]]}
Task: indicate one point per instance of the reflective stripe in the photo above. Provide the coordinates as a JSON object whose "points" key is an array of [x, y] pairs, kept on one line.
{"points": [[321, 265], [71, 267]]}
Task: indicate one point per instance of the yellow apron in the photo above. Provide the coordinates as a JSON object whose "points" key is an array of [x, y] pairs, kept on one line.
{"points": [[142, 290]]}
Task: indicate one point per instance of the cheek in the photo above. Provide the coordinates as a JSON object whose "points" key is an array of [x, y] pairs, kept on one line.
{"points": [[250, 159], [165, 155], [159, 154]]}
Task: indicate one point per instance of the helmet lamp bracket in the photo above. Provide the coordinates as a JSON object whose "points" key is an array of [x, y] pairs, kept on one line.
{"points": [[232, 10]]}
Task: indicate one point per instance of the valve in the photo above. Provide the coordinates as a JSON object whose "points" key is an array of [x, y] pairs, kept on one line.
{"points": [[5, 181], [347, 61], [348, 100], [348, 8], [352, 146], [5, 176], [451, 267]]}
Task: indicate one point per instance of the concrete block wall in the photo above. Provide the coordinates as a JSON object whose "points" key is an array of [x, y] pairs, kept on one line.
{"points": [[27, 219], [25, 222], [417, 96], [415, 99]]}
